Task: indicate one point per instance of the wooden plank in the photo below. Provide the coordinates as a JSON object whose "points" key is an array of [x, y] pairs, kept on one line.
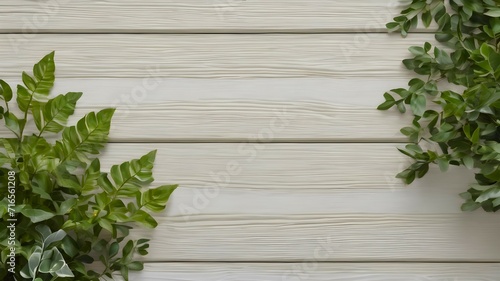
{"points": [[225, 16], [213, 55], [268, 110], [467, 237], [235, 207], [317, 272], [325, 178]]}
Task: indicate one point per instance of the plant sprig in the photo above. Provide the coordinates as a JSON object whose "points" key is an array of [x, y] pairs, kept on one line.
{"points": [[69, 213], [464, 126]]}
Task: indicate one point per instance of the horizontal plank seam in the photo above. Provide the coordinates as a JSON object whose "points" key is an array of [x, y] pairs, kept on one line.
{"points": [[230, 141], [176, 32]]}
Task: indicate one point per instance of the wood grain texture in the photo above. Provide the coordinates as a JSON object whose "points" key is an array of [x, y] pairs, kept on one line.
{"points": [[224, 16], [326, 237], [233, 206], [313, 178], [240, 110], [213, 55], [318, 272]]}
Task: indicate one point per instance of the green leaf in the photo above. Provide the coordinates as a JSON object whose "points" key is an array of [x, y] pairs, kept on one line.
{"points": [[386, 105], [13, 123], [54, 263], [135, 266], [106, 224], [34, 261], [493, 12], [44, 72], [29, 82], [54, 237], [392, 26], [491, 193], [145, 219], [417, 51], [86, 138], [443, 164], [67, 205], [69, 246], [129, 177], [470, 206], [44, 231], [475, 136], [5, 91], [418, 105], [155, 199], [468, 162], [427, 18], [92, 174], [53, 115], [113, 249], [37, 215], [23, 98], [401, 107], [127, 251]]}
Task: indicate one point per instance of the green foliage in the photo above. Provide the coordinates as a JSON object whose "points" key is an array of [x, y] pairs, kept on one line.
{"points": [[69, 214], [463, 125]]}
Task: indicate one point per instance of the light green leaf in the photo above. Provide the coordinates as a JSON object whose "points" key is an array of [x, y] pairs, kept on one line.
{"points": [[418, 105], [34, 261], [470, 206], [493, 12], [136, 266], [37, 215], [54, 237]]}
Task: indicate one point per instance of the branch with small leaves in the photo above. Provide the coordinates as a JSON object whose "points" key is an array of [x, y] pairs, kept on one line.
{"points": [[464, 125]]}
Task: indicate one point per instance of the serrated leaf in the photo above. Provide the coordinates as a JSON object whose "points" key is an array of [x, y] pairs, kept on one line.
{"points": [[86, 138], [44, 72], [53, 115], [155, 199]]}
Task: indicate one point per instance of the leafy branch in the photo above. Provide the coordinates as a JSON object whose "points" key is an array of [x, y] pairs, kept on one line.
{"points": [[69, 213], [464, 126]]}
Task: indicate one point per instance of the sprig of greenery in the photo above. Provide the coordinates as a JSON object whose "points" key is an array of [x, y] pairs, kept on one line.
{"points": [[69, 213], [464, 124]]}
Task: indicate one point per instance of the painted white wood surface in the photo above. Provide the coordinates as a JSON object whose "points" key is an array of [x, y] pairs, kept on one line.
{"points": [[318, 272], [179, 76], [374, 55], [349, 238], [224, 16], [238, 206], [314, 178], [267, 110]]}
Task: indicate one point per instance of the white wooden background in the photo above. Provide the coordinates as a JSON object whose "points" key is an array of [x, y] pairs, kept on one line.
{"points": [[264, 112]]}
